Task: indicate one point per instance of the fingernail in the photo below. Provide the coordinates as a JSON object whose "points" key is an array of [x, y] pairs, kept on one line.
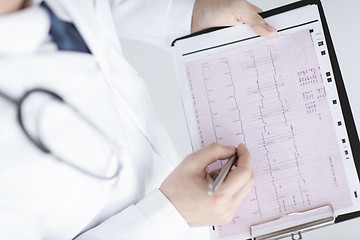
{"points": [[270, 28], [231, 148]]}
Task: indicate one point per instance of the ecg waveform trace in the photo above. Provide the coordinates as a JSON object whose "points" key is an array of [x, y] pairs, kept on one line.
{"points": [[270, 96]]}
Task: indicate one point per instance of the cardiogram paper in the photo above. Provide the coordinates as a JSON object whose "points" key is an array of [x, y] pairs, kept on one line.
{"points": [[271, 97], [277, 96]]}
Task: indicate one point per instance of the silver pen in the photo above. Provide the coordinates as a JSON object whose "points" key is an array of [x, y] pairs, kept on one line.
{"points": [[222, 174]]}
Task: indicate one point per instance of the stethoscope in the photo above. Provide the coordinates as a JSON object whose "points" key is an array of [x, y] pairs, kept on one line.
{"points": [[39, 143]]}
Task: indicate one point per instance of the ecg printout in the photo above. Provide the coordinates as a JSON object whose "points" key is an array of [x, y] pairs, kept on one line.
{"points": [[270, 96]]}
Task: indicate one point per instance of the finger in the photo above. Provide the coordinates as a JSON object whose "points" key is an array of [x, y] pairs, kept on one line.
{"points": [[258, 24], [211, 153], [254, 7], [240, 175], [238, 9], [242, 193], [243, 153], [238, 197]]}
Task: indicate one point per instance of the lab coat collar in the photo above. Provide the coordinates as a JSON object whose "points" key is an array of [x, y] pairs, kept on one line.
{"points": [[23, 32]]}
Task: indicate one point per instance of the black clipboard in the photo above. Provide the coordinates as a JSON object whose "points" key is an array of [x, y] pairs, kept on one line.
{"points": [[344, 102]]}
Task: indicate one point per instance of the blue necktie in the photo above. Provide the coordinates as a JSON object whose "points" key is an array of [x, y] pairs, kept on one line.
{"points": [[65, 34]]}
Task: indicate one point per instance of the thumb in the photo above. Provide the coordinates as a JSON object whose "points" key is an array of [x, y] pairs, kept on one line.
{"points": [[212, 153], [258, 24]]}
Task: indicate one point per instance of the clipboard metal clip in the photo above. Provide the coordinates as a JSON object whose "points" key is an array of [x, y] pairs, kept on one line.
{"points": [[293, 224]]}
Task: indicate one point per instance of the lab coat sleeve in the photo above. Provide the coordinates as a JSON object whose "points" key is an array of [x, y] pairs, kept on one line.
{"points": [[154, 217], [17, 225], [160, 21]]}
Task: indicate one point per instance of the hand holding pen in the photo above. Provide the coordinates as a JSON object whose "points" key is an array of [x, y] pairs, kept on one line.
{"points": [[187, 186], [221, 174]]}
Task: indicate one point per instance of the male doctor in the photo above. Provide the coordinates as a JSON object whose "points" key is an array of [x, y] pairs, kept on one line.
{"points": [[81, 152]]}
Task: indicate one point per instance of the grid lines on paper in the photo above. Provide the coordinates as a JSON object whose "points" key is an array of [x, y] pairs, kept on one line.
{"points": [[270, 96]]}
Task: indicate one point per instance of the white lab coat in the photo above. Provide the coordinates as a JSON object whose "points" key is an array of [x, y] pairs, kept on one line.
{"points": [[44, 199]]}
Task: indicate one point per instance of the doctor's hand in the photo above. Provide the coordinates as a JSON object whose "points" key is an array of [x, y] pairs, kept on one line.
{"points": [[187, 186], [213, 13]]}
